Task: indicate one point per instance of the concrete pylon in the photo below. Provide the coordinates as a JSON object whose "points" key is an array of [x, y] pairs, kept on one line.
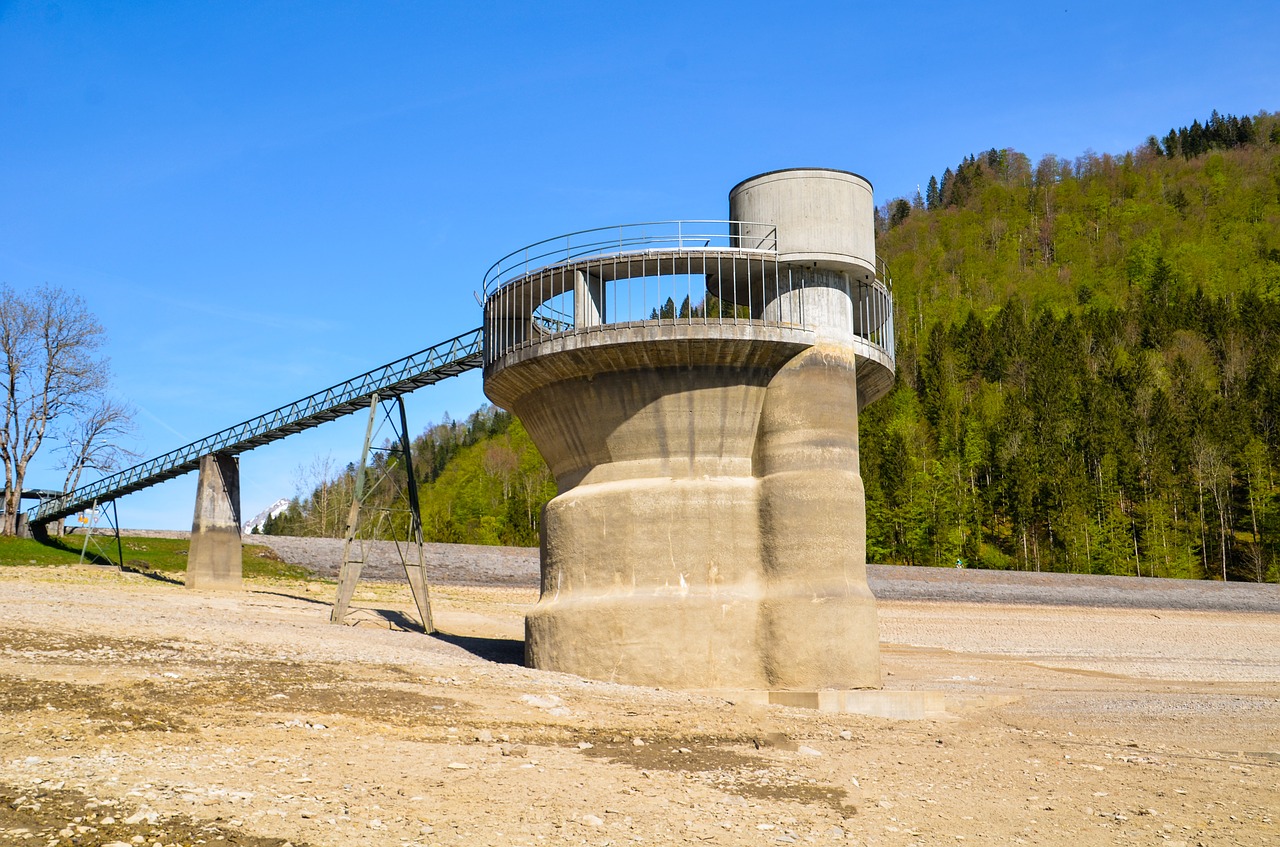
{"points": [[710, 527], [214, 560]]}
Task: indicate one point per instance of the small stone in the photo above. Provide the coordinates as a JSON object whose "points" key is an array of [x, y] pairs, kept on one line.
{"points": [[592, 820], [459, 766], [637, 742], [518, 751], [585, 745], [846, 735], [484, 736], [542, 701], [808, 751], [835, 832]]}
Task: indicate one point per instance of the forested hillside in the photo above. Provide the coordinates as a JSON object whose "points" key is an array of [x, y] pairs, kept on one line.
{"points": [[1088, 362], [480, 482], [1088, 373]]}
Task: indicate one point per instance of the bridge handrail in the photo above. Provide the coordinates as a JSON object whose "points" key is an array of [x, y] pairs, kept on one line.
{"points": [[430, 365]]}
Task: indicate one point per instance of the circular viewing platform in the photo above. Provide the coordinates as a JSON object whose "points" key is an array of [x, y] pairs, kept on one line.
{"points": [[718, 284]]}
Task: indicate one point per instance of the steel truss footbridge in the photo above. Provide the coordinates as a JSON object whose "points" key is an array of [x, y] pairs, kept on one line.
{"points": [[392, 380]]}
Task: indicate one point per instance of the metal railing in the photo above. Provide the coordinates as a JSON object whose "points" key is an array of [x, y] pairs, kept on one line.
{"points": [[425, 367], [625, 238], [678, 273]]}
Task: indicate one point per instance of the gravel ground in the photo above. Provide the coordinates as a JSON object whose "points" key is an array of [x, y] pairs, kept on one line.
{"points": [[448, 564], [134, 711], [462, 564]]}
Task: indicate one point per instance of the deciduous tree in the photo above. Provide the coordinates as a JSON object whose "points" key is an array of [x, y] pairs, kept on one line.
{"points": [[53, 372]]}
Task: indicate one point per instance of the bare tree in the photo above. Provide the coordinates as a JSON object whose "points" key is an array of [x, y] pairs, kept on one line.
{"points": [[92, 441], [52, 371]]}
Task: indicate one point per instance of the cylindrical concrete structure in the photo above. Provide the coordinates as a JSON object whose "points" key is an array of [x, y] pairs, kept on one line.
{"points": [[823, 217], [709, 532]]}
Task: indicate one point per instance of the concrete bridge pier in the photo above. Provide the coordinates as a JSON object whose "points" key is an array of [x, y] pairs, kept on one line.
{"points": [[214, 558]]}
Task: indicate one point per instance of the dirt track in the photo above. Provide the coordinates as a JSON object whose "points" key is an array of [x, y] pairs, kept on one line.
{"points": [[133, 710]]}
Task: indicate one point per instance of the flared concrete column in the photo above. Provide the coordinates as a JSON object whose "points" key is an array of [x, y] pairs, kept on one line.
{"points": [[214, 558], [818, 616], [648, 556]]}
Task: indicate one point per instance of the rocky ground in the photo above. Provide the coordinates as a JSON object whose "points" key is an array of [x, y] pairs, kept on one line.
{"points": [[1080, 711]]}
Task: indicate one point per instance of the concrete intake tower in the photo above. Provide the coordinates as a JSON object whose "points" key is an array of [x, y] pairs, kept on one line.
{"points": [[695, 389]]}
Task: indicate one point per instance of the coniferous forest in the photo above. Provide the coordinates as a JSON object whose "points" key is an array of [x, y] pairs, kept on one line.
{"points": [[1088, 361]]}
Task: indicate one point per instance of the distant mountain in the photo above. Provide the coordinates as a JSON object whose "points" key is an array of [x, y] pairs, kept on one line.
{"points": [[258, 521]]}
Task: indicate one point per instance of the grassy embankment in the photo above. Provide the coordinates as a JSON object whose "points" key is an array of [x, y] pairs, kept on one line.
{"points": [[146, 555]]}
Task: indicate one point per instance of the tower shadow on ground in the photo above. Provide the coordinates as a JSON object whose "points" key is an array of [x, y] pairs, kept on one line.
{"points": [[504, 651]]}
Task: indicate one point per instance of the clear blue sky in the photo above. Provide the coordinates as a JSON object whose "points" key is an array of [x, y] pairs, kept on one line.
{"points": [[259, 200]]}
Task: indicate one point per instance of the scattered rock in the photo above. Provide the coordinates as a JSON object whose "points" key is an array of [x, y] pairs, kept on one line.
{"points": [[542, 701]]}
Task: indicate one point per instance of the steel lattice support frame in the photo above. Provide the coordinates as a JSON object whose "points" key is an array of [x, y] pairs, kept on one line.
{"points": [[113, 521], [363, 523]]}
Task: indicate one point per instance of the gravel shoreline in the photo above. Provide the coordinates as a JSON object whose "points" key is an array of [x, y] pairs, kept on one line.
{"points": [[474, 565]]}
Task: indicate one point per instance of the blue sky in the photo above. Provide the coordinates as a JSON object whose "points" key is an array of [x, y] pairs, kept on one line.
{"points": [[260, 200]]}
